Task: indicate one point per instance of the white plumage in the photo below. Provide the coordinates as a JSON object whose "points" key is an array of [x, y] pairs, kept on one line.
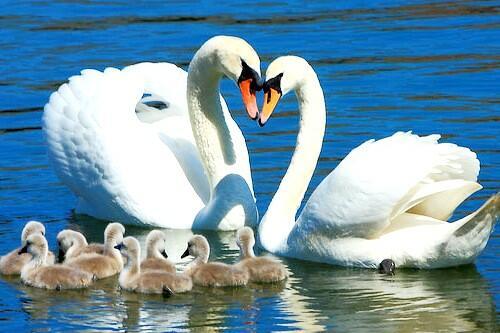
{"points": [[389, 198], [144, 167]]}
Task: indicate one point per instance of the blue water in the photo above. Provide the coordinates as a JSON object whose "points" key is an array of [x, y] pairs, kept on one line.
{"points": [[385, 66]]}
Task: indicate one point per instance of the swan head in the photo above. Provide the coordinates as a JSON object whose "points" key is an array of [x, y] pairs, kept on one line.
{"points": [[155, 243], [36, 245], [235, 58], [32, 227], [129, 248], [198, 247], [283, 75]]}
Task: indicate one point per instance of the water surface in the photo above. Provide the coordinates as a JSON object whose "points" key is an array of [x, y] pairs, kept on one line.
{"points": [[430, 67]]}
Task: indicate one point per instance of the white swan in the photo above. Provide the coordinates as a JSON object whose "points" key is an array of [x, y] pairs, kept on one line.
{"points": [[389, 198], [183, 166]]}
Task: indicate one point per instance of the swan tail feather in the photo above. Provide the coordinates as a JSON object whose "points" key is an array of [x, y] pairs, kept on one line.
{"points": [[470, 235]]}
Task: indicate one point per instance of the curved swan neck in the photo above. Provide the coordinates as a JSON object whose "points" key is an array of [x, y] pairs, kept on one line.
{"points": [[247, 251], [152, 251], [133, 262], [280, 216], [208, 121], [79, 241]]}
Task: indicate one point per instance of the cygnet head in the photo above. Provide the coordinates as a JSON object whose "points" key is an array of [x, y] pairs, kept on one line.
{"points": [[66, 239], [155, 243], [198, 247], [235, 58], [32, 227], [36, 245], [245, 238], [129, 248], [283, 75], [113, 234]]}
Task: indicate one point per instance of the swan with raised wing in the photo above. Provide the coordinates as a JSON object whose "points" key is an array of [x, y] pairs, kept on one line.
{"points": [[389, 198], [181, 164]]}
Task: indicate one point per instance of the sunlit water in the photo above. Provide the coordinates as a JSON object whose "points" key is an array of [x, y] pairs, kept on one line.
{"points": [[429, 67]]}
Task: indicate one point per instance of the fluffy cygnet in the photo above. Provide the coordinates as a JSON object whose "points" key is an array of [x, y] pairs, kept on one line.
{"points": [[260, 269], [108, 263], [13, 262], [213, 274], [149, 281], [73, 244], [38, 273], [156, 258]]}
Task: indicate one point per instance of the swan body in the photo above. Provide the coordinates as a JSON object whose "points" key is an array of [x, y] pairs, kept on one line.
{"points": [[38, 273], [132, 277], [13, 262], [260, 269], [108, 263], [73, 244], [211, 274], [156, 257], [388, 199], [156, 166]]}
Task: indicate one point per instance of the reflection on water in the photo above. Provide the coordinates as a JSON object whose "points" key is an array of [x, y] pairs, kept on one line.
{"points": [[316, 298], [426, 66]]}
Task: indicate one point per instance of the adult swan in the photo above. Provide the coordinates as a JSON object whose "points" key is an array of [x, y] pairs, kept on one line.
{"points": [[183, 164], [387, 199]]}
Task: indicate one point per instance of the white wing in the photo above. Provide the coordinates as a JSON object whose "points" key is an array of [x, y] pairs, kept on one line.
{"points": [[381, 180], [120, 167]]}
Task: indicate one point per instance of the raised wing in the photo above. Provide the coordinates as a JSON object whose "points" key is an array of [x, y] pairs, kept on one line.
{"points": [[380, 180], [119, 167]]}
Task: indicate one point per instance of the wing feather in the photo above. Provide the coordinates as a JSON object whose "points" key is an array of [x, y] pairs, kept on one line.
{"points": [[379, 180]]}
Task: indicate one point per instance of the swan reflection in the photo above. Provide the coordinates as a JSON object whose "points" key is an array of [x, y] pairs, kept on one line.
{"points": [[315, 298]]}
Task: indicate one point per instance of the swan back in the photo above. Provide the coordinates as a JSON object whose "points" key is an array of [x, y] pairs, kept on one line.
{"points": [[97, 146], [380, 180]]}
